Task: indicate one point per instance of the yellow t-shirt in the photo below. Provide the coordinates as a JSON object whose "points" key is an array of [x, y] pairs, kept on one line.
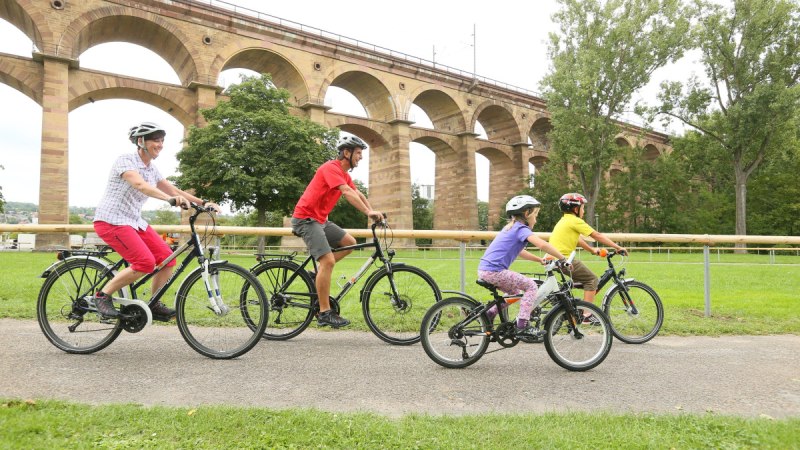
{"points": [[567, 231]]}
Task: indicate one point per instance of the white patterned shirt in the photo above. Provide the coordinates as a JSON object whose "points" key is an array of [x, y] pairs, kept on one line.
{"points": [[122, 203]]}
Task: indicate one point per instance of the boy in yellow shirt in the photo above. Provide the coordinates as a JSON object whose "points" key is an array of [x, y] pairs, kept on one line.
{"points": [[566, 237]]}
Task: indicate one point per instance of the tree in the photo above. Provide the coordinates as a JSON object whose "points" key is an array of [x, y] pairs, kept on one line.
{"points": [[422, 210], [748, 111], [604, 53], [253, 152], [2, 200], [166, 216]]}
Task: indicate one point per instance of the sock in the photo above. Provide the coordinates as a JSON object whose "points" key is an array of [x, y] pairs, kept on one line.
{"points": [[100, 294], [521, 323]]}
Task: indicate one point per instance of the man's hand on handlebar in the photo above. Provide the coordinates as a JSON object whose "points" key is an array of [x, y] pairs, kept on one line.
{"points": [[377, 216]]}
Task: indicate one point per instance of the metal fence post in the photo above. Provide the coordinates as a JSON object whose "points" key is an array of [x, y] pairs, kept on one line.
{"points": [[707, 280], [462, 247]]}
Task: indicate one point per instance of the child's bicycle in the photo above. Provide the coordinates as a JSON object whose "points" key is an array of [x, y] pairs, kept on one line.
{"points": [[456, 332], [634, 309], [221, 308]]}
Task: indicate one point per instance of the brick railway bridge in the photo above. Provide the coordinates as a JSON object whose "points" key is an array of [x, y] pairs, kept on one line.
{"points": [[200, 40]]}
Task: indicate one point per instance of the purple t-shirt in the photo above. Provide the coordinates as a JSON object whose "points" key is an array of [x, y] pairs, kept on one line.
{"points": [[505, 247]]}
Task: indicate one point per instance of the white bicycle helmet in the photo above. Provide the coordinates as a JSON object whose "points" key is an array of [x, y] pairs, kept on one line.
{"points": [[520, 203], [147, 130], [350, 142]]}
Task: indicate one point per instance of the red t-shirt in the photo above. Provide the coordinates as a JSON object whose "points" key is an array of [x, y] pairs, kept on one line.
{"points": [[323, 192]]}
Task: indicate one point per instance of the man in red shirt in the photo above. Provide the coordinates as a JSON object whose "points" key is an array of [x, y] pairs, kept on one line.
{"points": [[310, 220]]}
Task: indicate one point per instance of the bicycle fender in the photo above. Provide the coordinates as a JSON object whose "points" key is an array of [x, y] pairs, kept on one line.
{"points": [[460, 294], [57, 264]]}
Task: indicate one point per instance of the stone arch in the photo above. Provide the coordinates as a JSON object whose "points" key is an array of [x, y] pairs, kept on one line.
{"points": [[22, 75], [448, 206], [284, 73], [368, 89], [14, 13], [498, 122], [538, 134], [501, 173], [650, 153], [622, 142], [112, 23], [441, 108], [143, 93]]}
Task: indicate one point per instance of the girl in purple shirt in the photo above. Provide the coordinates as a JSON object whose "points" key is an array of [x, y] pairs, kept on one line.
{"points": [[504, 249]]}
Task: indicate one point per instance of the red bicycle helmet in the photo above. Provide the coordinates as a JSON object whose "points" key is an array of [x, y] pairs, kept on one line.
{"points": [[568, 202]]}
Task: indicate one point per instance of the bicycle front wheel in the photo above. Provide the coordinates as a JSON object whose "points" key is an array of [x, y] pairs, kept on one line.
{"points": [[65, 316], [291, 303], [636, 313], [242, 316], [394, 315], [452, 334], [581, 346]]}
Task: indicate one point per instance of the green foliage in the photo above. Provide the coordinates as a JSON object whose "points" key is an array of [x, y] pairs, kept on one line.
{"points": [[422, 210], [166, 216], [604, 52], [75, 219], [253, 152], [483, 216], [749, 111], [2, 199]]}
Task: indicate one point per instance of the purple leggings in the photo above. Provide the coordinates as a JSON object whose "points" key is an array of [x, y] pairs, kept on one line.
{"points": [[512, 283]]}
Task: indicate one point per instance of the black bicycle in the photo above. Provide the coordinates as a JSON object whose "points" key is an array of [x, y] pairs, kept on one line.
{"points": [[456, 332], [634, 308], [393, 300], [222, 310]]}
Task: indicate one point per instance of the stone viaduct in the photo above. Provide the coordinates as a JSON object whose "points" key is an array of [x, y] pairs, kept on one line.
{"points": [[199, 41]]}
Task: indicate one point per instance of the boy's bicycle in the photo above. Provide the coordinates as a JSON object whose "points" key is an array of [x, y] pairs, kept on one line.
{"points": [[634, 308], [221, 308], [456, 332], [393, 300]]}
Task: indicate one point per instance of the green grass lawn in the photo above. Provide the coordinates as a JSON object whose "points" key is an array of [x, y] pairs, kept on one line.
{"points": [[748, 294], [53, 424]]}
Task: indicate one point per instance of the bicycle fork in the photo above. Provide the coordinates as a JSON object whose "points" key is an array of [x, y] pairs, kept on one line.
{"points": [[211, 283]]}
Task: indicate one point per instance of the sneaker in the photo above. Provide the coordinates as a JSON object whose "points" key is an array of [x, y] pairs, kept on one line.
{"points": [[330, 318], [105, 306], [529, 334], [590, 320], [161, 312]]}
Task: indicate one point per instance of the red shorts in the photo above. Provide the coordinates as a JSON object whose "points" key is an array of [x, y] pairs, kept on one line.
{"points": [[142, 249]]}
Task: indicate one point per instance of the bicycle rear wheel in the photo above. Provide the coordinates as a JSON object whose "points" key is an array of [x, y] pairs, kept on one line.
{"points": [[449, 338], [291, 307], [577, 348], [396, 318], [636, 314], [65, 316], [243, 317]]}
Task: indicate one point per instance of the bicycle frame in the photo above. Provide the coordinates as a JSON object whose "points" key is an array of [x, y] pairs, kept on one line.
{"points": [[378, 254], [193, 246]]}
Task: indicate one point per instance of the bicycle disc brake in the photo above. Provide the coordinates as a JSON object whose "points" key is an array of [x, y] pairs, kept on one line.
{"points": [[505, 335], [134, 318]]}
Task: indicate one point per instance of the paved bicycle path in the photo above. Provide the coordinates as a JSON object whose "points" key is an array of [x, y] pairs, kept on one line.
{"points": [[355, 371]]}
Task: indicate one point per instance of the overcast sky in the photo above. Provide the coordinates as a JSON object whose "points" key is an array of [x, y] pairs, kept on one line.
{"points": [[511, 48]]}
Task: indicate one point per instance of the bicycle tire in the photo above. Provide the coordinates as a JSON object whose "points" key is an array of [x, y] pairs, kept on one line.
{"points": [[588, 349], [58, 307], [397, 320], [448, 344], [292, 309], [233, 332], [638, 327]]}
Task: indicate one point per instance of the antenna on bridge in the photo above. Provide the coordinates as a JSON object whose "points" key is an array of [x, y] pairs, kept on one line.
{"points": [[474, 51]]}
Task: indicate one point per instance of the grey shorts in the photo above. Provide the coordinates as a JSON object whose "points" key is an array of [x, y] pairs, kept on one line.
{"points": [[319, 238], [582, 274]]}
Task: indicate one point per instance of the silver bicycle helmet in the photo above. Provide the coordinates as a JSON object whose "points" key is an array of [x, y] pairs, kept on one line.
{"points": [[350, 142], [147, 130]]}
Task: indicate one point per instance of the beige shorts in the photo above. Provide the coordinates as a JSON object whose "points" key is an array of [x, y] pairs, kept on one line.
{"points": [[582, 274]]}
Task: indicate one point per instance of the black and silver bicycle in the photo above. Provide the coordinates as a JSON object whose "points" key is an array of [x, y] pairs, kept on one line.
{"points": [[222, 310], [394, 298]]}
